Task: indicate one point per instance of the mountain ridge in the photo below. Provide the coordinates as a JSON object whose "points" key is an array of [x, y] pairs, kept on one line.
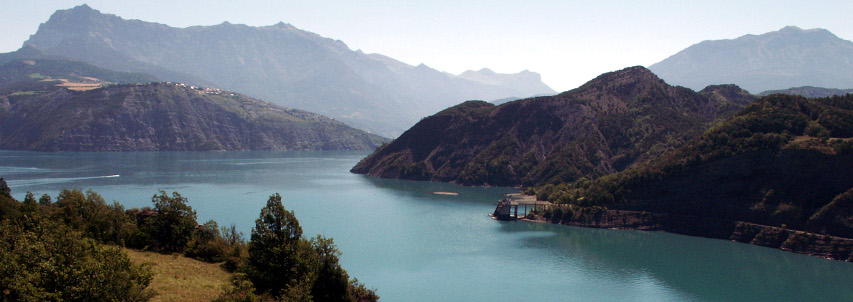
{"points": [[166, 117], [789, 57], [810, 91], [579, 133], [286, 65], [55, 104]]}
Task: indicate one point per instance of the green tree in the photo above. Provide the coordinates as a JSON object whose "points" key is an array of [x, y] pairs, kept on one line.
{"points": [[42, 260], [45, 200], [274, 254], [9, 207], [173, 225], [237, 251], [4, 188], [91, 215], [331, 282], [29, 205], [207, 244]]}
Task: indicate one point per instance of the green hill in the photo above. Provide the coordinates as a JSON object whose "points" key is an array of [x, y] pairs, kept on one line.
{"points": [[783, 161]]}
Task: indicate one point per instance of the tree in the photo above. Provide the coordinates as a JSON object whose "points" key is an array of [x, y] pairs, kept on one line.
{"points": [[237, 251], [45, 200], [274, 252], [4, 188], [29, 205], [331, 280], [283, 265], [42, 260], [9, 207], [173, 225], [91, 215], [207, 243]]}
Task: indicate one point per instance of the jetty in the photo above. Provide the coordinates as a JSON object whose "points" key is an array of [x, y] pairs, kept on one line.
{"points": [[507, 208]]}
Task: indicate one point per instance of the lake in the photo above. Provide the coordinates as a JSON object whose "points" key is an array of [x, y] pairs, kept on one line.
{"points": [[412, 245]]}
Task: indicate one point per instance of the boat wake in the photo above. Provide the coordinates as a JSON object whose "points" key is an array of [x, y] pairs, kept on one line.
{"points": [[44, 181]]}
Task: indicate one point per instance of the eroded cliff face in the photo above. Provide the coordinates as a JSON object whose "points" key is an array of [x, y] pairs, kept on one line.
{"points": [[167, 117], [612, 122]]}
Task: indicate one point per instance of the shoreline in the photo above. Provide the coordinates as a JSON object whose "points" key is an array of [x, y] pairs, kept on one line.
{"points": [[789, 240]]}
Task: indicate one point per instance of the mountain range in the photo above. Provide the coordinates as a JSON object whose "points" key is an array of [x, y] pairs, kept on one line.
{"points": [[56, 104], [279, 63], [789, 57], [607, 125]]}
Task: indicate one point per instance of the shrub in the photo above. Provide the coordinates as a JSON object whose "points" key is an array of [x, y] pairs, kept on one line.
{"points": [[91, 215], [557, 214], [42, 260], [207, 243]]}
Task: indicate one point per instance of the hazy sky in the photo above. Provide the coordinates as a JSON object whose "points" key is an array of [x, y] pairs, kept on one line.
{"points": [[568, 42]]}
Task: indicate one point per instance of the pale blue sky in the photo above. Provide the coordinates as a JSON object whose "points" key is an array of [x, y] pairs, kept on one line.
{"points": [[568, 42]]}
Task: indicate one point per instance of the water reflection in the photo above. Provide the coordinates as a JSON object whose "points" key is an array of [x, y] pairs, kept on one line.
{"points": [[426, 189], [709, 269]]}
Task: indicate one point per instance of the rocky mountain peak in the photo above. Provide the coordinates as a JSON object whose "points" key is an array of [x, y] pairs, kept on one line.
{"points": [[628, 75], [609, 90], [790, 29], [83, 9], [529, 83]]}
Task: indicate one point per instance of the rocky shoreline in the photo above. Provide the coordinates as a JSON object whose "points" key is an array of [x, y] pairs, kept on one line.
{"points": [[824, 246]]}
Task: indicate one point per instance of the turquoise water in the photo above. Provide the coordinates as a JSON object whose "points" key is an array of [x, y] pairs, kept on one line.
{"points": [[412, 245]]}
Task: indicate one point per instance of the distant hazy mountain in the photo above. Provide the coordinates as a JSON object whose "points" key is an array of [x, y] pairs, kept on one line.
{"points": [[810, 92], [280, 63], [790, 57], [30, 67], [526, 82]]}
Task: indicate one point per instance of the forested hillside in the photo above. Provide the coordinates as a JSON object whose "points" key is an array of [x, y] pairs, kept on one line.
{"points": [[783, 161]]}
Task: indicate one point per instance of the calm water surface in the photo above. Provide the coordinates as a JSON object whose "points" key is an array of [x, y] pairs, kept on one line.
{"points": [[412, 245]]}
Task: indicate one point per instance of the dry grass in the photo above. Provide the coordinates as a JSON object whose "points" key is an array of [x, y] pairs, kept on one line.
{"points": [[178, 278], [78, 86]]}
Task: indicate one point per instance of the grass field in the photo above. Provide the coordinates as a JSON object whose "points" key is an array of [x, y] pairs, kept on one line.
{"points": [[178, 278]]}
